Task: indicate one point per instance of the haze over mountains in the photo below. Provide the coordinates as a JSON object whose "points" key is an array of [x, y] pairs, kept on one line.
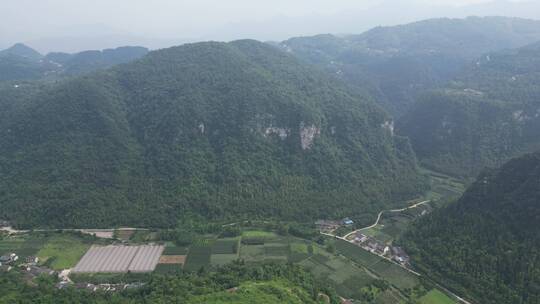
{"points": [[91, 27], [396, 63], [21, 62]]}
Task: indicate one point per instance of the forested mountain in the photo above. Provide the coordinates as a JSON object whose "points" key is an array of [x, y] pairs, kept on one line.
{"points": [[396, 63], [487, 115], [225, 131], [87, 61], [23, 51], [21, 62], [487, 245]]}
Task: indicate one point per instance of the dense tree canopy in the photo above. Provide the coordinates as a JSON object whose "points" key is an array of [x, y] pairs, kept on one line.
{"points": [[21, 62], [227, 131], [486, 245], [396, 63], [487, 115], [264, 284]]}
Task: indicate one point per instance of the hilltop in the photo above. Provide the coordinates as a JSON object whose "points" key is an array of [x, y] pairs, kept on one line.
{"points": [[21, 62]]}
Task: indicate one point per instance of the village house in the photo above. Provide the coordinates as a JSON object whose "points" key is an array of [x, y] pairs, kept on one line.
{"points": [[32, 260], [400, 256], [8, 259], [347, 221]]}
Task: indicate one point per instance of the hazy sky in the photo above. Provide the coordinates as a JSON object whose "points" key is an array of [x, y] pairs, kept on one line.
{"points": [[70, 25]]}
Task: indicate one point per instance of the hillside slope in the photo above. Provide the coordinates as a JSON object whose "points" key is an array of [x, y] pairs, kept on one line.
{"points": [[223, 131], [396, 63], [486, 245], [21, 62], [487, 115]]}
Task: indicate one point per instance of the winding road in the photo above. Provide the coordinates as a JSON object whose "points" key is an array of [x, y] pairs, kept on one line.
{"points": [[382, 212]]}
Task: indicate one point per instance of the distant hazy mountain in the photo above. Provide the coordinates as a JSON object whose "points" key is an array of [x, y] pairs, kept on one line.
{"points": [[222, 131], [23, 51], [486, 245], [395, 63], [21, 62], [490, 113], [88, 61]]}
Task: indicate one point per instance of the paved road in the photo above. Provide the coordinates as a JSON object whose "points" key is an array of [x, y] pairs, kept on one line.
{"points": [[381, 213], [344, 238]]}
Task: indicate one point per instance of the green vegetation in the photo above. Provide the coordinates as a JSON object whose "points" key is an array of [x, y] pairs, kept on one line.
{"points": [[431, 53], [264, 293], [436, 297], [23, 246], [258, 234], [198, 257], [482, 119], [61, 252], [168, 269], [175, 250], [261, 136], [20, 62], [268, 283], [485, 245]]}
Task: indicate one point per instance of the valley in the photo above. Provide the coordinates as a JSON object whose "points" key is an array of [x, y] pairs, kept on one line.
{"points": [[399, 165], [354, 272]]}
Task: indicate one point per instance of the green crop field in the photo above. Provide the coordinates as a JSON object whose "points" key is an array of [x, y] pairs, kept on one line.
{"points": [[62, 251], [168, 268], [225, 246], [388, 297], [356, 254], [23, 246], [347, 278], [436, 297], [394, 274], [259, 234], [175, 250], [198, 256], [276, 250], [223, 259]]}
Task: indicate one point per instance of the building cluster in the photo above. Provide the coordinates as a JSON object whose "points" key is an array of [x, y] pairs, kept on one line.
{"points": [[99, 287], [377, 247], [7, 261]]}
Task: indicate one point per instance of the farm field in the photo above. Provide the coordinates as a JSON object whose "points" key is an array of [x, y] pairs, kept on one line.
{"points": [[198, 256], [62, 251], [168, 268], [23, 246], [391, 272], [395, 275], [356, 254], [436, 297], [258, 234], [175, 250], [225, 246]]}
